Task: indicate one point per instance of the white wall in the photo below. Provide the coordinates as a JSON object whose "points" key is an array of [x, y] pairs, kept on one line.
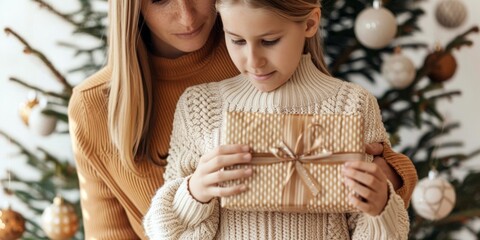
{"points": [[43, 30]]}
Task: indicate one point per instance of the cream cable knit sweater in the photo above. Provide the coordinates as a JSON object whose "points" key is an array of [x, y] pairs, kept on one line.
{"points": [[174, 214]]}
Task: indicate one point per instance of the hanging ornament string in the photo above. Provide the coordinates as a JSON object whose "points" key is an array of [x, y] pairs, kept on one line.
{"points": [[434, 160]]}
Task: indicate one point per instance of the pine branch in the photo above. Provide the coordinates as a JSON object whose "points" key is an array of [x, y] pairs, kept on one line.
{"points": [[462, 216], [48, 93], [29, 50], [49, 7], [67, 18]]}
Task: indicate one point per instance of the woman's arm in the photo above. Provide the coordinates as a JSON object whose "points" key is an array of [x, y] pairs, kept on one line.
{"points": [[397, 167], [103, 216]]}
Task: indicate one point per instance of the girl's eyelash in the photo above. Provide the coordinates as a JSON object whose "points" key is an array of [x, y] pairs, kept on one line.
{"points": [[158, 1], [264, 42], [270, 43], [238, 42]]}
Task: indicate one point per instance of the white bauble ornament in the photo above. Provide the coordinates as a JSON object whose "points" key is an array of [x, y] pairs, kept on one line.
{"points": [[375, 27], [451, 13], [399, 70], [40, 123], [433, 198], [59, 220]]}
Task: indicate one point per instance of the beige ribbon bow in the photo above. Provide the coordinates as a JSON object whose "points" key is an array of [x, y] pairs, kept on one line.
{"points": [[298, 156]]}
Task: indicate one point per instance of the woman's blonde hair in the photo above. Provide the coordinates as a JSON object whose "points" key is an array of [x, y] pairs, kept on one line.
{"points": [[296, 11], [130, 94]]}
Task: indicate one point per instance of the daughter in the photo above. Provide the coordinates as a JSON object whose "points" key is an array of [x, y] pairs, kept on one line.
{"points": [[274, 44]]}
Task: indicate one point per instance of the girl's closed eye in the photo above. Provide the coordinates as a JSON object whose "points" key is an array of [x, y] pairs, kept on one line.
{"points": [[270, 42], [238, 41], [159, 1]]}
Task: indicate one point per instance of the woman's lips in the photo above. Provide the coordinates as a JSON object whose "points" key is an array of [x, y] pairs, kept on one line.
{"points": [[190, 34]]}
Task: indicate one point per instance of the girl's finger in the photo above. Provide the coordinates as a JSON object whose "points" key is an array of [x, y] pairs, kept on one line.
{"points": [[363, 191], [367, 167], [360, 177], [227, 191], [225, 150], [226, 175], [222, 161], [365, 207]]}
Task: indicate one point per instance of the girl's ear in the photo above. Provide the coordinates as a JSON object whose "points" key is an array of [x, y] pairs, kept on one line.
{"points": [[312, 23]]}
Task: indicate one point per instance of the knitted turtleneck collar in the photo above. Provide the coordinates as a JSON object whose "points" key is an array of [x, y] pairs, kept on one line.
{"points": [[307, 86]]}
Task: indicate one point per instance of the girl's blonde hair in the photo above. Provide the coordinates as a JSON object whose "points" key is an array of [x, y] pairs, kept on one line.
{"points": [[293, 10], [130, 94]]}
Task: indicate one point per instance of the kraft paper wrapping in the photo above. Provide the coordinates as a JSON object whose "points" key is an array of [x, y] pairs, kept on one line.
{"points": [[297, 160]]}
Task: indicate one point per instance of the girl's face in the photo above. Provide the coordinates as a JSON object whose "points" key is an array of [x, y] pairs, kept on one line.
{"points": [[264, 46], [178, 26]]}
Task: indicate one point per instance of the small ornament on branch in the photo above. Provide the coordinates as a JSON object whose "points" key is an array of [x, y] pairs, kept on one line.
{"points": [[32, 114], [12, 224], [399, 70], [434, 197], [451, 13], [375, 27], [26, 108], [442, 65], [59, 220]]}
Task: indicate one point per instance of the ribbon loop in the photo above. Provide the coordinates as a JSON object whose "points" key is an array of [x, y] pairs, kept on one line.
{"points": [[296, 158]]}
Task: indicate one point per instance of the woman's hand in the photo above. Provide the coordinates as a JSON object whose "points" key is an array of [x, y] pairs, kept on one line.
{"points": [[203, 184], [369, 183], [376, 149]]}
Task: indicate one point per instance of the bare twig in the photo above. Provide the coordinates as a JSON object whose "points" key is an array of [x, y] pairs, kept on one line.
{"points": [[29, 50]]}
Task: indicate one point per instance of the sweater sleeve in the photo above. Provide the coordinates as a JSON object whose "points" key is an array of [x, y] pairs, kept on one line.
{"points": [[103, 215], [405, 169], [403, 166], [174, 213], [392, 223]]}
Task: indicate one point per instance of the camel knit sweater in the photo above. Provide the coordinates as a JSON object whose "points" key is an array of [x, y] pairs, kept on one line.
{"points": [[175, 214], [113, 198]]}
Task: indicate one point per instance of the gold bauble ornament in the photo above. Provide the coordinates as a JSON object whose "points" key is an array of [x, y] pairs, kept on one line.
{"points": [[59, 220], [26, 109], [12, 224]]}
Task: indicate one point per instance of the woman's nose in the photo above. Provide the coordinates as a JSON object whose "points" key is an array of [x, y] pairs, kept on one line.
{"points": [[186, 13]]}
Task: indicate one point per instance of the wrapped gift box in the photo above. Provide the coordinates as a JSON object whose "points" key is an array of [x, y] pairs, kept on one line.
{"points": [[297, 160]]}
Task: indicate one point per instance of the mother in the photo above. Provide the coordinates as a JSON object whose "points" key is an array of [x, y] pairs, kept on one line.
{"points": [[121, 117]]}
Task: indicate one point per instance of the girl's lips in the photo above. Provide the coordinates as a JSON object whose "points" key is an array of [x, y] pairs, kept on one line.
{"points": [[190, 34], [261, 77]]}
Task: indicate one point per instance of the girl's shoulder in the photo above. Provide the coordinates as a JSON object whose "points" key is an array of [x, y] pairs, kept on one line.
{"points": [[354, 89]]}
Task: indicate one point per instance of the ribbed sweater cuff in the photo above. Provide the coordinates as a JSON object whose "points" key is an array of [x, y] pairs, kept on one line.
{"points": [[390, 218], [405, 168], [189, 210]]}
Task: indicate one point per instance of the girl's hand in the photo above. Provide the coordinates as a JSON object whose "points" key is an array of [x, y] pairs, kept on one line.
{"points": [[369, 183], [203, 184]]}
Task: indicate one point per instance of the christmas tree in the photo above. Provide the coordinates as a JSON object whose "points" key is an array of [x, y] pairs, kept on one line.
{"points": [[352, 54], [57, 176]]}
